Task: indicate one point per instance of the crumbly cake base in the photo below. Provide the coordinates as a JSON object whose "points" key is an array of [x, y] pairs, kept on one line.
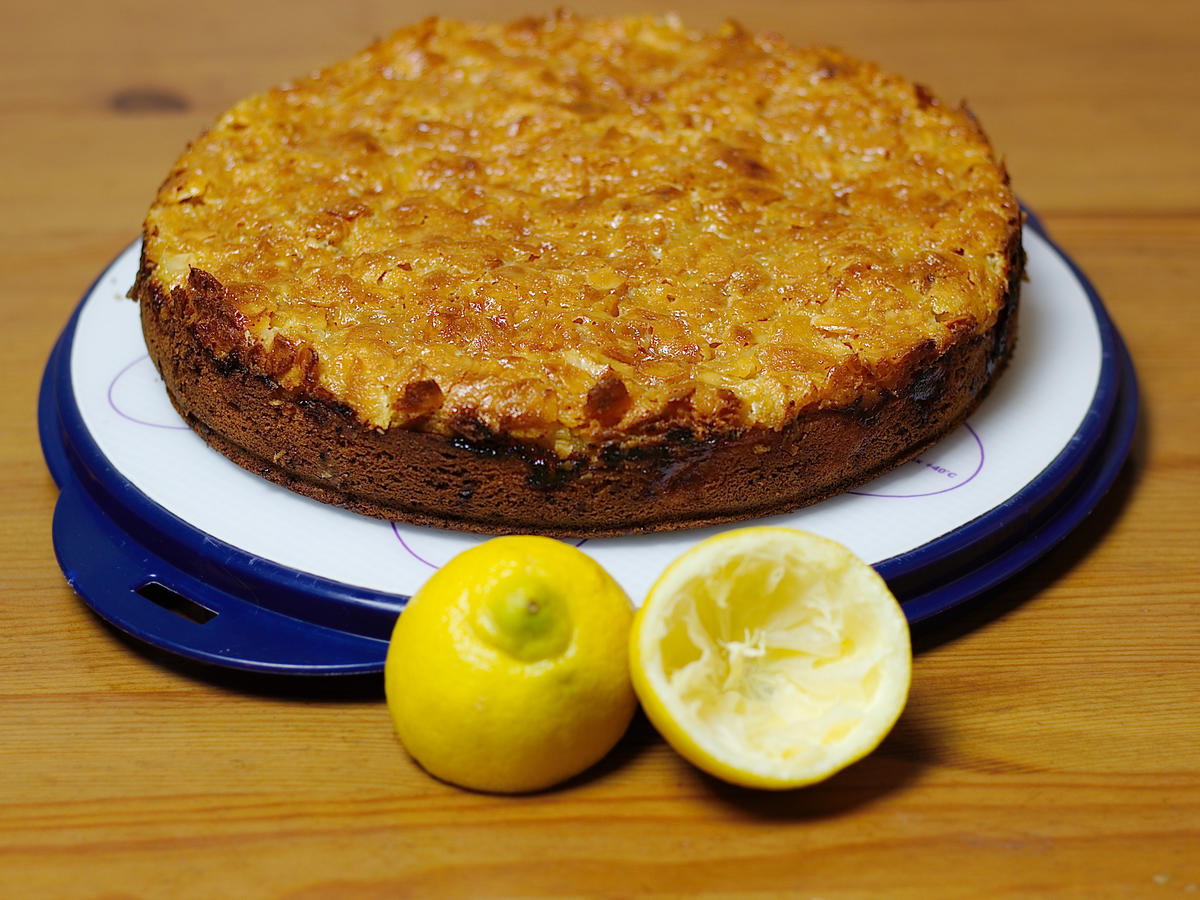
{"points": [[320, 449]]}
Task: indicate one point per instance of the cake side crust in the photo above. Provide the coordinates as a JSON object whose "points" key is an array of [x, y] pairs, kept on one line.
{"points": [[310, 443]]}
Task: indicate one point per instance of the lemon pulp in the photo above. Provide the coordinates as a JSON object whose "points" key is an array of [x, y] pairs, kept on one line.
{"points": [[771, 657]]}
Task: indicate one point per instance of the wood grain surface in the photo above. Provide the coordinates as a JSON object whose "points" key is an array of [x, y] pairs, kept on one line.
{"points": [[1051, 746]]}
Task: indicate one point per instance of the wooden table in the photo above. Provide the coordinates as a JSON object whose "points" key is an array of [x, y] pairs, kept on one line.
{"points": [[1051, 744]]}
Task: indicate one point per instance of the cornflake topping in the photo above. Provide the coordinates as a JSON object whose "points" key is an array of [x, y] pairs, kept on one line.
{"points": [[566, 226]]}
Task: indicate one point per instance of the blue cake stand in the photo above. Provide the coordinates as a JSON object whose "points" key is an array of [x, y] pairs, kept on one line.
{"points": [[158, 577]]}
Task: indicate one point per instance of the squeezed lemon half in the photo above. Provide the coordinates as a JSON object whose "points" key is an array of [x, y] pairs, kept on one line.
{"points": [[771, 657], [508, 671]]}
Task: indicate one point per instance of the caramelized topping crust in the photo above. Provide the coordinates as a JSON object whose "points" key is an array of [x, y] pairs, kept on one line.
{"points": [[566, 229]]}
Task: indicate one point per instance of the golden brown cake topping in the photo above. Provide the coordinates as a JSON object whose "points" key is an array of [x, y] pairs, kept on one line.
{"points": [[564, 227]]}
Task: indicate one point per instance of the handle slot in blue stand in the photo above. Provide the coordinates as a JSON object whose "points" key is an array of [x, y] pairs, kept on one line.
{"points": [[146, 596], [173, 601]]}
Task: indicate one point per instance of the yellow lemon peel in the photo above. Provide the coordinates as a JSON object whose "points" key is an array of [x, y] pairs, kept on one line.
{"points": [[508, 670]]}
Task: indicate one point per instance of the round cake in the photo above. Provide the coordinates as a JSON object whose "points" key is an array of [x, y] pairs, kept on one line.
{"points": [[581, 276]]}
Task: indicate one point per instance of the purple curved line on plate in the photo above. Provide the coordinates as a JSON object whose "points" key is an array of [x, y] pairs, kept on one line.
{"points": [[411, 552], [124, 415], [953, 487], [579, 542]]}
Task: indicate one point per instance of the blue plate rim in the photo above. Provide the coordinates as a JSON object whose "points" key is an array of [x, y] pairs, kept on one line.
{"points": [[302, 595], [1116, 378], [1042, 534]]}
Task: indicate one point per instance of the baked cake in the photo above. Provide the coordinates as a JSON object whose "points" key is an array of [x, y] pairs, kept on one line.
{"points": [[582, 276]]}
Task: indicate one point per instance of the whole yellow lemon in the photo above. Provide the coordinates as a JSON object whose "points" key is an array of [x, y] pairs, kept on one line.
{"points": [[508, 671]]}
